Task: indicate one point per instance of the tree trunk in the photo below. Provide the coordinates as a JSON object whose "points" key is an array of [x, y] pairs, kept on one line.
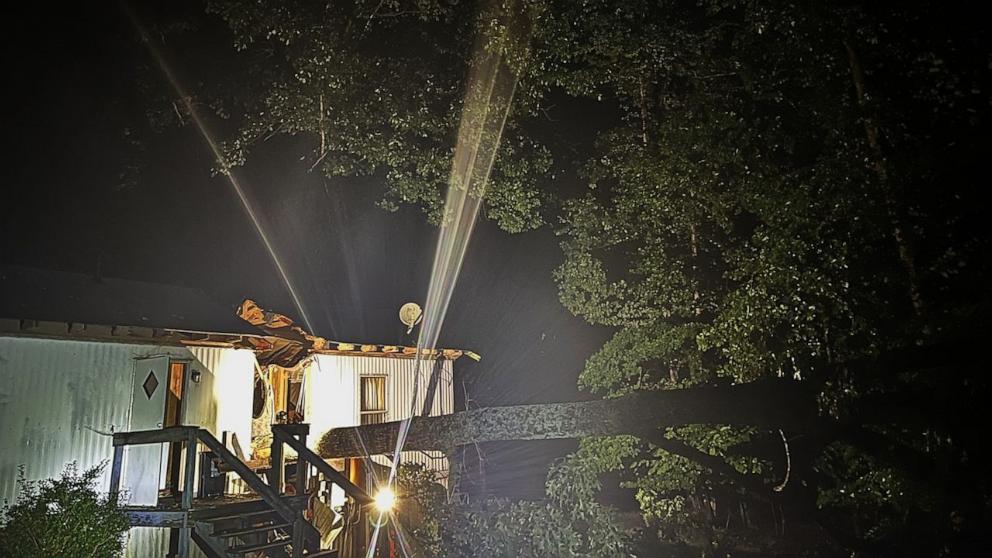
{"points": [[901, 233], [767, 404]]}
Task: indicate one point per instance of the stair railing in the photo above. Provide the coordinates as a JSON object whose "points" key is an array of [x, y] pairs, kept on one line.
{"points": [[295, 436], [186, 434], [191, 435]]}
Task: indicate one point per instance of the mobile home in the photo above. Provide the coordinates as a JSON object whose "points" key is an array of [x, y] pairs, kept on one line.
{"points": [[252, 405]]}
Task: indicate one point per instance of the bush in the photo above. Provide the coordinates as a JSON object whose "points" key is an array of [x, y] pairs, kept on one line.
{"points": [[63, 517]]}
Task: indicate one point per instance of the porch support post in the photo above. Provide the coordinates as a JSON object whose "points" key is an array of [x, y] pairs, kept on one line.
{"points": [[276, 465], [293, 434], [302, 466], [298, 535], [186, 532], [115, 472]]}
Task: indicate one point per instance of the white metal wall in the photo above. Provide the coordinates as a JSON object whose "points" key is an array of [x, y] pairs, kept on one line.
{"points": [[55, 395], [222, 400], [334, 395], [331, 391]]}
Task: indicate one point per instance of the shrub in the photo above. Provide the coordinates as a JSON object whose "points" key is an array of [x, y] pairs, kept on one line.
{"points": [[63, 517]]}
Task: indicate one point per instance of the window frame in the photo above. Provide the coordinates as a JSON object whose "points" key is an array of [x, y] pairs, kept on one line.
{"points": [[372, 416]]}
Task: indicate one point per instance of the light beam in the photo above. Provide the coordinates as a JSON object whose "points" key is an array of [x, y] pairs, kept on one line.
{"points": [[218, 156]]}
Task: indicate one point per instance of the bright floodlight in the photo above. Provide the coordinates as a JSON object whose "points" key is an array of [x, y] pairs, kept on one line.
{"points": [[385, 499]]}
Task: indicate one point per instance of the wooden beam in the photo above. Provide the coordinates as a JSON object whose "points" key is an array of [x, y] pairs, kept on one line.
{"points": [[239, 509], [115, 472], [186, 531], [209, 545], [155, 518], [190, 473], [298, 536], [301, 429], [185, 537], [276, 462], [171, 434]]}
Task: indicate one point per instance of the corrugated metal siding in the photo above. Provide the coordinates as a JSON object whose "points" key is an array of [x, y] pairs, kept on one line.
{"points": [[55, 393], [401, 374], [52, 393], [399, 393]]}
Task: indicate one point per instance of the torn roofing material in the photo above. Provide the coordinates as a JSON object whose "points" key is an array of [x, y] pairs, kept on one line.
{"points": [[292, 339], [268, 349], [55, 304]]}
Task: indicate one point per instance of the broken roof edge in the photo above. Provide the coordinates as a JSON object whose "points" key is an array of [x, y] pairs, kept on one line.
{"points": [[131, 335], [143, 335]]}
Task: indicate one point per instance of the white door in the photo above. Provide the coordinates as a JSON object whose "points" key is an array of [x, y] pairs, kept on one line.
{"points": [[144, 463]]}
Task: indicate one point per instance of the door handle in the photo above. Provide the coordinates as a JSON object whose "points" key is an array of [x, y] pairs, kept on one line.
{"points": [[159, 424]]}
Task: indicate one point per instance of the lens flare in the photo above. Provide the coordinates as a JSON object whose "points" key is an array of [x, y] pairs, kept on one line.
{"points": [[385, 499], [218, 156], [488, 98]]}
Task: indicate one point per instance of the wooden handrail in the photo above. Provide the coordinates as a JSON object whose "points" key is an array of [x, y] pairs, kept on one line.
{"points": [[141, 437], [335, 476], [256, 483], [192, 435], [158, 436]]}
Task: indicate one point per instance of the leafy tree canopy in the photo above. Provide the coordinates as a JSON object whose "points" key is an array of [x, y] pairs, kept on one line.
{"points": [[782, 190]]}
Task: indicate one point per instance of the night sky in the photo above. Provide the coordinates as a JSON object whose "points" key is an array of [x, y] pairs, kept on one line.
{"points": [[73, 86]]}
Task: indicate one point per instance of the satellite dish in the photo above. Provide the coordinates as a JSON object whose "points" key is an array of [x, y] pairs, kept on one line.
{"points": [[410, 315]]}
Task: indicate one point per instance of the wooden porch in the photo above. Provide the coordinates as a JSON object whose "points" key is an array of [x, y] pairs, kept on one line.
{"points": [[276, 519]]}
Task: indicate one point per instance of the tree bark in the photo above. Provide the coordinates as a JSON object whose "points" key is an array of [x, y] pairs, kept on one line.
{"points": [[901, 233], [768, 404]]}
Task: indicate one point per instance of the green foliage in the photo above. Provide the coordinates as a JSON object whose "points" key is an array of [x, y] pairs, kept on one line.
{"points": [[379, 89], [534, 529], [782, 189], [63, 517], [500, 528], [739, 224], [422, 508]]}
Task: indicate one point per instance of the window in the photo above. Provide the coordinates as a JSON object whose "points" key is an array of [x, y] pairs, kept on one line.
{"points": [[373, 397]]}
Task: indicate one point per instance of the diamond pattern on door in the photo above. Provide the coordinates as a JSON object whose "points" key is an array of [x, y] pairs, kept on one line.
{"points": [[150, 385]]}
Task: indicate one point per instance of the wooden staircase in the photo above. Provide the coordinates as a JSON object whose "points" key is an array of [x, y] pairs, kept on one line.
{"points": [[238, 533], [267, 523]]}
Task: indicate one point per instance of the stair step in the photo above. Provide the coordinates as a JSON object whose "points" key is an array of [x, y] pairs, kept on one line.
{"points": [[206, 511], [323, 554], [239, 515], [244, 549], [248, 530]]}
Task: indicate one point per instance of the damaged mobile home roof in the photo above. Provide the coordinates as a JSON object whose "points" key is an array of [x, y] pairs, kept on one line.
{"points": [[52, 304]]}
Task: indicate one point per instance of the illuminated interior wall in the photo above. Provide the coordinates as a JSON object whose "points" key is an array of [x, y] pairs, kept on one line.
{"points": [[331, 391], [221, 401]]}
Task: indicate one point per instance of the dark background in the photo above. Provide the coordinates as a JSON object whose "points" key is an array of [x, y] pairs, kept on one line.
{"points": [[74, 83]]}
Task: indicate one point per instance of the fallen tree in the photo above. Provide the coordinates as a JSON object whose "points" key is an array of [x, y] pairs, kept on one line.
{"points": [[768, 404]]}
